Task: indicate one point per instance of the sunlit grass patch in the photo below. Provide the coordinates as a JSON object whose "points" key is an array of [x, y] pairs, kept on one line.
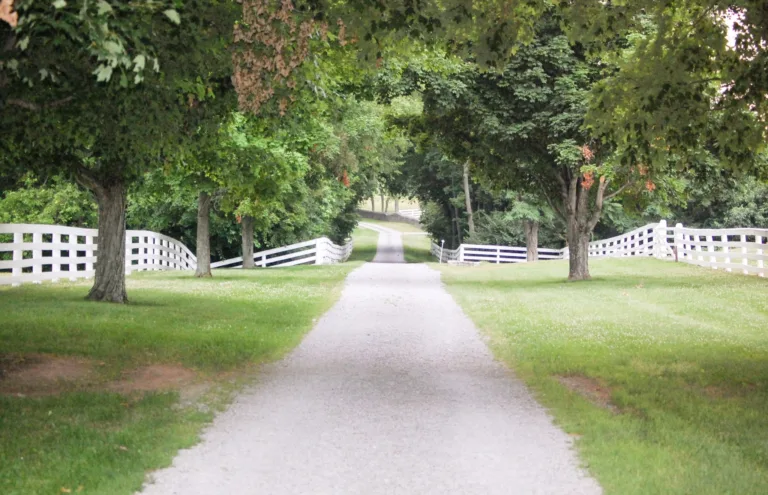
{"points": [[680, 351], [88, 435]]}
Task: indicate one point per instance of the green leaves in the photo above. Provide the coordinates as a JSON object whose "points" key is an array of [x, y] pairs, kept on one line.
{"points": [[103, 73], [173, 16], [59, 4]]}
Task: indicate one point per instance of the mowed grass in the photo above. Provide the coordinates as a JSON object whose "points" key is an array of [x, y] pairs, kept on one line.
{"points": [[415, 247], [366, 242], [681, 352], [105, 442]]}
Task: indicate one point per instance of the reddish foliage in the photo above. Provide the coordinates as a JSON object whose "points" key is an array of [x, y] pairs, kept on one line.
{"points": [[649, 185], [588, 180], [345, 179], [587, 153], [7, 14], [275, 43]]}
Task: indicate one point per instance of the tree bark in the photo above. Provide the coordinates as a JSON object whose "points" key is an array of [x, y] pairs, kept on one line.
{"points": [[581, 219], [397, 205], [578, 254], [109, 281], [468, 200], [386, 205], [247, 231], [531, 229], [373, 203], [203, 250], [383, 207]]}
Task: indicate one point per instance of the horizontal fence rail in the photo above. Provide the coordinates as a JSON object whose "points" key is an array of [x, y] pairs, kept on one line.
{"points": [[31, 253], [413, 213], [742, 250], [52, 252], [320, 251]]}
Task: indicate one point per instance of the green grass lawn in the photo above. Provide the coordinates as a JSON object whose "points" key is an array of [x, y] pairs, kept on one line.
{"points": [[672, 360], [415, 247], [105, 441], [399, 226], [365, 244]]}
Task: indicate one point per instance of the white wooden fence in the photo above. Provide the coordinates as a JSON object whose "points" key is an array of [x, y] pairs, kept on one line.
{"points": [[320, 251], [51, 252], [412, 213], [744, 250]]}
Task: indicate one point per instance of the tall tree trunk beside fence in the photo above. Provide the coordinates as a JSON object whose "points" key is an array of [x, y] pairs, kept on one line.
{"points": [[383, 206], [247, 233], [531, 229], [397, 205], [373, 203], [581, 218], [109, 279], [203, 235], [468, 200]]}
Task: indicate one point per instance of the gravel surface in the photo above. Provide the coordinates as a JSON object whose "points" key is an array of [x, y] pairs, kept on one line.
{"points": [[393, 392]]}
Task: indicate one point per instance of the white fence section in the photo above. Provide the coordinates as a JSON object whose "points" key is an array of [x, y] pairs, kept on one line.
{"points": [[51, 252], [744, 250], [320, 251], [741, 250], [414, 213], [503, 254]]}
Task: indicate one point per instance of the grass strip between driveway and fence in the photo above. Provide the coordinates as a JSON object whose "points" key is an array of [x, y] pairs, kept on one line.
{"points": [[659, 370], [92, 436]]}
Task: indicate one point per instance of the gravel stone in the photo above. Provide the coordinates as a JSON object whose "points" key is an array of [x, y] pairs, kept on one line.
{"points": [[392, 392]]}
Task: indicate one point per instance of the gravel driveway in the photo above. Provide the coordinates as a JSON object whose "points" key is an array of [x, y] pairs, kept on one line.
{"points": [[393, 392]]}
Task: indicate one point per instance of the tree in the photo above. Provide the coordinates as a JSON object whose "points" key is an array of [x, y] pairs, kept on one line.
{"points": [[680, 67], [523, 130], [107, 133]]}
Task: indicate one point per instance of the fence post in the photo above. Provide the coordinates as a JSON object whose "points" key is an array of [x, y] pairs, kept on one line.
{"points": [[660, 240], [56, 253], [37, 254], [461, 253], [18, 255], [744, 260], [759, 240], [89, 249], [72, 257], [128, 252], [498, 255], [727, 250], [319, 250], [679, 242]]}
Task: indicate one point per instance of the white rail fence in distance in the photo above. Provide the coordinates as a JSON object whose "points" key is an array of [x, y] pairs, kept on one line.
{"points": [[36, 253], [744, 250]]}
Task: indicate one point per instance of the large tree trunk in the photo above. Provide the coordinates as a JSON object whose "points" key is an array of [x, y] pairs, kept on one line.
{"points": [[109, 282], [386, 205], [531, 229], [397, 205], [581, 219], [203, 235], [373, 203], [247, 226], [383, 206], [578, 253], [468, 200]]}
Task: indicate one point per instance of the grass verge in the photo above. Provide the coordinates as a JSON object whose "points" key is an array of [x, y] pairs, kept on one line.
{"points": [[659, 369], [415, 247], [98, 441], [366, 242]]}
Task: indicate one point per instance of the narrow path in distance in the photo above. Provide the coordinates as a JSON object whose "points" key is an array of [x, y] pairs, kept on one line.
{"points": [[393, 392]]}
